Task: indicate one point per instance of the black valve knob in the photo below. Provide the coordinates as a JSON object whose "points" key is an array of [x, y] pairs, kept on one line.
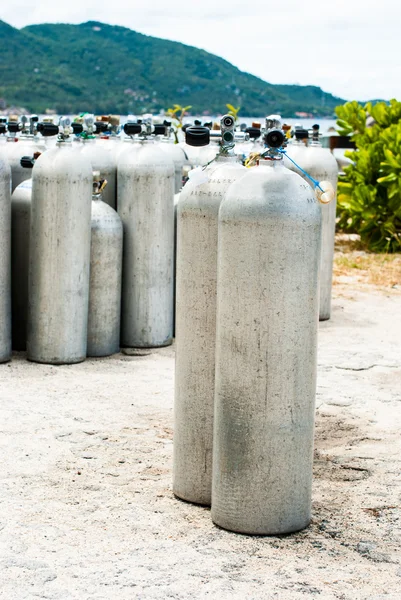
{"points": [[185, 127], [301, 134], [27, 162], [132, 128], [253, 132], [3, 128], [13, 127], [77, 128], [274, 138], [197, 136], [101, 127], [160, 129], [47, 129]]}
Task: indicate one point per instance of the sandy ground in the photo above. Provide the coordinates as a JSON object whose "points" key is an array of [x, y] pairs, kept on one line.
{"points": [[87, 510]]}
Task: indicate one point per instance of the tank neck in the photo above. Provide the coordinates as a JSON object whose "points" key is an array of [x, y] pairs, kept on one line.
{"points": [[272, 164], [228, 158], [298, 143], [64, 143], [96, 197]]}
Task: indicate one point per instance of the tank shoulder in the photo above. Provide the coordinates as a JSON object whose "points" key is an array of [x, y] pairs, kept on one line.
{"points": [[54, 161], [268, 192]]}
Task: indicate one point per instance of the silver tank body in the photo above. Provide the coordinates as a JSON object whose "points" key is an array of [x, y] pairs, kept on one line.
{"points": [[105, 280], [267, 318], [20, 233], [59, 255], [146, 207], [26, 146], [104, 162], [197, 225], [5, 260], [322, 166], [179, 159]]}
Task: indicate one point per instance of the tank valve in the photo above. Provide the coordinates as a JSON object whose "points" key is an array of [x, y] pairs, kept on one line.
{"points": [[227, 127], [98, 184], [65, 129], [28, 161], [274, 138], [47, 129], [314, 133]]}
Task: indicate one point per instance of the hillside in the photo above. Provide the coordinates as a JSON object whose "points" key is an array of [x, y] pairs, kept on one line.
{"points": [[103, 68]]}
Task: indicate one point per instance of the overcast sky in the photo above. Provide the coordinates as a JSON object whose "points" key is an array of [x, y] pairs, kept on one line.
{"points": [[351, 48]]}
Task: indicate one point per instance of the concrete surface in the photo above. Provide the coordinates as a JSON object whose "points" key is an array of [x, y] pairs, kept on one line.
{"points": [[87, 510]]}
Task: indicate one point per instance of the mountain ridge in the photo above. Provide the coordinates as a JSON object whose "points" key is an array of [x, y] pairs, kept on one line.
{"points": [[108, 68]]}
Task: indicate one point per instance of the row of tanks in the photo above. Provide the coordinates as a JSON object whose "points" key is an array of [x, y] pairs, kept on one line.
{"points": [[248, 261], [247, 264], [99, 141]]}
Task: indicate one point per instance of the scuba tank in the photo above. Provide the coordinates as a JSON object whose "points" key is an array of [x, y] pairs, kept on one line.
{"points": [[196, 268], [145, 204], [59, 253], [266, 342], [319, 163], [105, 275]]}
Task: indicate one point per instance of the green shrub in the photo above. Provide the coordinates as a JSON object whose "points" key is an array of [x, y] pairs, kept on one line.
{"points": [[369, 194]]}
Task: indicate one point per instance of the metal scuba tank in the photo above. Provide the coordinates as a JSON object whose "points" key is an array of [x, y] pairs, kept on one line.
{"points": [[105, 276], [321, 165], [20, 234], [266, 340], [100, 159], [145, 204], [5, 260], [196, 269], [28, 142], [59, 254]]}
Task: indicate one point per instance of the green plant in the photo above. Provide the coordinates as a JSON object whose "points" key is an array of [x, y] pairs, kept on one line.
{"points": [[233, 111], [369, 194], [177, 114]]}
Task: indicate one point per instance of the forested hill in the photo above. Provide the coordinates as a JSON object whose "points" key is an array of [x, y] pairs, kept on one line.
{"points": [[102, 68]]}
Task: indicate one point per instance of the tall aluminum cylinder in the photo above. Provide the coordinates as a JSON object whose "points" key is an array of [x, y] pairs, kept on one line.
{"points": [[197, 224], [104, 162], [20, 233], [322, 166], [105, 280], [59, 255], [5, 261], [267, 317], [145, 205]]}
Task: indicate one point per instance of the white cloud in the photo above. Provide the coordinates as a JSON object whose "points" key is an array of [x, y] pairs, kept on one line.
{"points": [[350, 48]]}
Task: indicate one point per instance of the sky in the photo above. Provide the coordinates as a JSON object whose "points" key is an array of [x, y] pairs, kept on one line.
{"points": [[351, 48]]}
